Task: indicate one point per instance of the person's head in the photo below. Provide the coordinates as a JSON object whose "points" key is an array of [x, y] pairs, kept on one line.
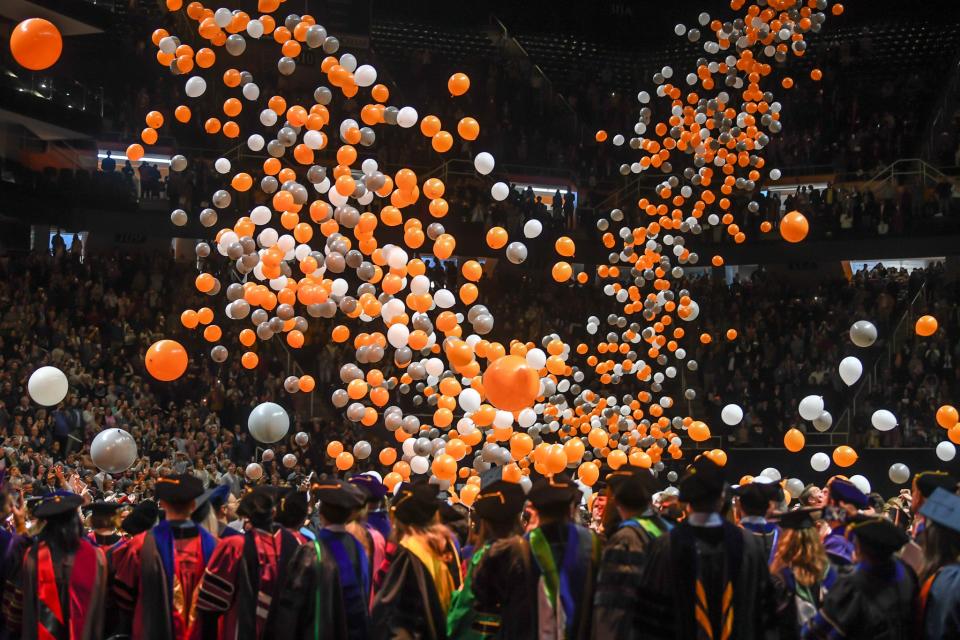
{"points": [[755, 499], [876, 539], [291, 509], [845, 498], [811, 496], [104, 515], [177, 495], [59, 512], [257, 508], [702, 486], [414, 506], [553, 497], [926, 482], [338, 500], [941, 539], [497, 507]]}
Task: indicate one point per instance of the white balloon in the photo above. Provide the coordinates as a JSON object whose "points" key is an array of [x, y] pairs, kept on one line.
{"points": [[369, 166], [268, 422], [254, 471], [419, 464], [302, 438], [268, 117], [811, 407], [820, 461], [222, 17], [502, 419], [532, 228], [397, 335], [195, 86], [289, 461], [850, 370], [861, 483], [260, 215], [407, 117], [527, 417], [168, 45], [349, 62], [222, 165], [899, 473], [444, 298], [420, 285], [267, 238], [484, 163], [694, 311], [255, 142], [946, 451], [365, 75], [251, 91], [339, 287], [397, 258], [469, 400], [537, 359], [113, 450], [499, 191], [772, 474], [863, 333], [731, 414], [883, 420], [434, 366], [47, 386], [254, 28]]}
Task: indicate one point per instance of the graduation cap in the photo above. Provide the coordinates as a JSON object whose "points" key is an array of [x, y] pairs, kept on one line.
{"points": [[703, 480], [370, 485], [210, 499], [757, 496], [292, 508], [338, 493], [56, 503], [415, 503], [877, 534], [178, 488], [104, 508], [632, 486], [257, 505], [498, 500], [845, 491], [798, 519], [552, 490], [451, 513], [943, 508], [142, 518], [928, 481]]}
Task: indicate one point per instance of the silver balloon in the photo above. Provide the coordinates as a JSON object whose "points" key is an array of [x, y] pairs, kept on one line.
{"points": [[301, 439], [113, 450], [268, 422], [516, 252], [254, 471], [289, 461], [267, 456], [235, 44], [178, 217], [863, 333]]}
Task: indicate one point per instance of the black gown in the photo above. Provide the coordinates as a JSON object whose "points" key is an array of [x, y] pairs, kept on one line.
{"points": [[874, 602], [504, 587], [311, 588], [698, 577], [617, 608], [407, 604]]}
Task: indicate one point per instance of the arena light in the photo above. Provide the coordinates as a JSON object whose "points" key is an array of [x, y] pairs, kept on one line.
{"points": [[120, 156]]}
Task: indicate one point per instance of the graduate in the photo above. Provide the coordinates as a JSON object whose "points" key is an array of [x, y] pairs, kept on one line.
{"points": [[844, 502], [103, 524], [940, 580], [706, 578], [802, 575], [754, 501], [923, 486], [565, 557], [141, 518], [631, 526], [422, 572], [879, 598], [496, 600], [369, 535], [327, 587], [242, 581], [216, 507], [291, 513], [157, 573], [377, 516], [58, 590]]}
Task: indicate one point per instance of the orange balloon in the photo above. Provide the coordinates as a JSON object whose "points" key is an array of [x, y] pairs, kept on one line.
{"points": [[511, 384], [926, 326], [794, 227], [149, 135], [947, 416], [344, 461], [953, 433], [387, 456], [134, 152], [698, 431], [562, 271], [565, 246], [182, 113], [36, 44], [458, 84], [588, 473], [166, 360], [468, 128], [844, 456], [189, 319], [497, 238], [442, 142], [794, 440]]}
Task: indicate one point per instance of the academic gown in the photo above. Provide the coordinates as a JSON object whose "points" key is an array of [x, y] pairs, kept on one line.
{"points": [[839, 549], [157, 578], [565, 557], [502, 584], [12, 547], [104, 541], [242, 582], [767, 532], [617, 608], [796, 603], [310, 603], [55, 594], [355, 574], [706, 577], [874, 602], [940, 604], [414, 596]]}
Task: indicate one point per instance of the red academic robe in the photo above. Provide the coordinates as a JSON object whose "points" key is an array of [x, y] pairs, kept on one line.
{"points": [[157, 578], [242, 581], [53, 595]]}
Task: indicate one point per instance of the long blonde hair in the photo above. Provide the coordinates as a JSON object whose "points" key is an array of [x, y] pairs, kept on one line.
{"points": [[802, 551], [435, 535]]}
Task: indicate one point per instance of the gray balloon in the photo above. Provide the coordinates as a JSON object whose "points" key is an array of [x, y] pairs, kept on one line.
{"points": [[235, 44], [221, 198], [435, 230], [203, 250], [208, 217], [863, 333], [316, 34], [331, 45], [234, 291], [113, 450], [286, 66], [516, 252], [322, 95], [264, 332], [276, 149], [259, 316], [219, 353], [178, 163], [178, 217], [340, 398], [390, 115], [291, 384], [316, 174]]}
